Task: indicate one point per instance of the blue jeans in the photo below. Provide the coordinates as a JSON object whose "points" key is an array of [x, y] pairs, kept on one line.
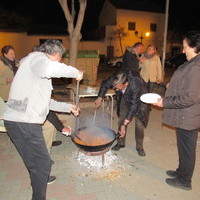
{"points": [[29, 141]]}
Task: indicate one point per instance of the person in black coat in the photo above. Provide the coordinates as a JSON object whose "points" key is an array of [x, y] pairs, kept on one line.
{"points": [[131, 57], [129, 86]]}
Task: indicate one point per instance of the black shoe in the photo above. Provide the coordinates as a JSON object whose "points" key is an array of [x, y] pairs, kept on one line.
{"points": [[141, 152], [56, 143], [51, 180], [117, 147], [172, 173], [175, 182]]}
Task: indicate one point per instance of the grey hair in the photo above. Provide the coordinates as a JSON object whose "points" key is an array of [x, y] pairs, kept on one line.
{"points": [[52, 47], [120, 78]]}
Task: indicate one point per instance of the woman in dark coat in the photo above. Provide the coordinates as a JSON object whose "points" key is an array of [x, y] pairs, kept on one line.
{"points": [[182, 110]]}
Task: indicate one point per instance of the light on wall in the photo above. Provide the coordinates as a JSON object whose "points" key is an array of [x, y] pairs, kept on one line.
{"points": [[141, 36]]}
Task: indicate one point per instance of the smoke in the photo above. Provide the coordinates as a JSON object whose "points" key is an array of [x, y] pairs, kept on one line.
{"points": [[88, 118]]}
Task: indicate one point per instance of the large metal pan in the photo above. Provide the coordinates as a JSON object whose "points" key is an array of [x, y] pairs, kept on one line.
{"points": [[94, 138]]}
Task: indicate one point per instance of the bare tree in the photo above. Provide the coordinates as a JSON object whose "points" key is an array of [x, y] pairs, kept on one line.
{"points": [[119, 34], [74, 29]]}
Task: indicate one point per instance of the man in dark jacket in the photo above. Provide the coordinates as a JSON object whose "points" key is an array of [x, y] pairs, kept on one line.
{"points": [[129, 87], [131, 57]]}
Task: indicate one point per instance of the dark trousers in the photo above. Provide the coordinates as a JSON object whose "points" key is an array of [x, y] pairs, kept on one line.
{"points": [[139, 127], [29, 141], [150, 86], [186, 142]]}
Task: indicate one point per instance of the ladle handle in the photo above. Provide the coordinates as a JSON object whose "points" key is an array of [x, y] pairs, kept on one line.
{"points": [[77, 93], [77, 103], [95, 113]]}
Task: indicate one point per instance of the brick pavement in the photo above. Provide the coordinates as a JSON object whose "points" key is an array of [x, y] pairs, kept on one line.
{"points": [[130, 177]]}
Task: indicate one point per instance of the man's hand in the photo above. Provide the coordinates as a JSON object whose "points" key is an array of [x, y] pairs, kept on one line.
{"points": [[126, 122], [98, 102], [141, 59], [159, 103], [79, 76], [66, 131], [122, 131], [167, 85], [75, 110]]}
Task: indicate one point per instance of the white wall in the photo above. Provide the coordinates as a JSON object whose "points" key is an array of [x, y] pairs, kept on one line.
{"points": [[143, 21]]}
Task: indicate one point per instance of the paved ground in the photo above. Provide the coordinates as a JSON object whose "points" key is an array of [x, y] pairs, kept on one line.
{"points": [[128, 176], [125, 175]]}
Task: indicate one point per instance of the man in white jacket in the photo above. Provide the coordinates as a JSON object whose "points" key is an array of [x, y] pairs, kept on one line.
{"points": [[29, 103], [150, 67]]}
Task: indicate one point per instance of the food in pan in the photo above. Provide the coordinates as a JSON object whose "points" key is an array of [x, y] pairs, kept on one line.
{"points": [[94, 136]]}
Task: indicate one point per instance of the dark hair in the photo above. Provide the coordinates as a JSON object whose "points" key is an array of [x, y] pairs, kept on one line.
{"points": [[193, 40], [6, 48], [120, 78], [52, 47], [137, 44]]}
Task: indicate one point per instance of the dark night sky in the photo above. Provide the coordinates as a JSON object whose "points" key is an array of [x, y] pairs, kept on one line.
{"points": [[49, 12]]}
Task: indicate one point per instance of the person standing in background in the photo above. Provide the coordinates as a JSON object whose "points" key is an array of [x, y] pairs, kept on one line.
{"points": [[181, 105], [151, 68], [8, 68], [131, 57]]}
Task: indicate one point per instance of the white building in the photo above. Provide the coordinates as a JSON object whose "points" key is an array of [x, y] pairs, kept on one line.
{"points": [[125, 18]]}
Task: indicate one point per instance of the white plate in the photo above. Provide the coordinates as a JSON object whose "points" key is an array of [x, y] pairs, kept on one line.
{"points": [[150, 97]]}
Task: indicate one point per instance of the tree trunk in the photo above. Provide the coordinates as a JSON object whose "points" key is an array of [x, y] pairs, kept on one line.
{"points": [[74, 32], [73, 51]]}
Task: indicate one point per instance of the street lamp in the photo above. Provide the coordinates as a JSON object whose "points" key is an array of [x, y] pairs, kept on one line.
{"points": [[141, 36]]}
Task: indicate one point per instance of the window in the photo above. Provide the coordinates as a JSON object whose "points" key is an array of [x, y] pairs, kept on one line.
{"points": [[153, 27], [131, 26]]}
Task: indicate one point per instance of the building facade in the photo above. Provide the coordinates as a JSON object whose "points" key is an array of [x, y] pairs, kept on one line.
{"points": [[126, 22]]}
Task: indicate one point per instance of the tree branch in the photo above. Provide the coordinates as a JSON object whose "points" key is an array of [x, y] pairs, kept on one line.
{"points": [[73, 9], [68, 16], [81, 14]]}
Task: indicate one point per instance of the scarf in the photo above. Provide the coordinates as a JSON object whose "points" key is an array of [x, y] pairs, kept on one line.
{"points": [[147, 56], [11, 64], [133, 51]]}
